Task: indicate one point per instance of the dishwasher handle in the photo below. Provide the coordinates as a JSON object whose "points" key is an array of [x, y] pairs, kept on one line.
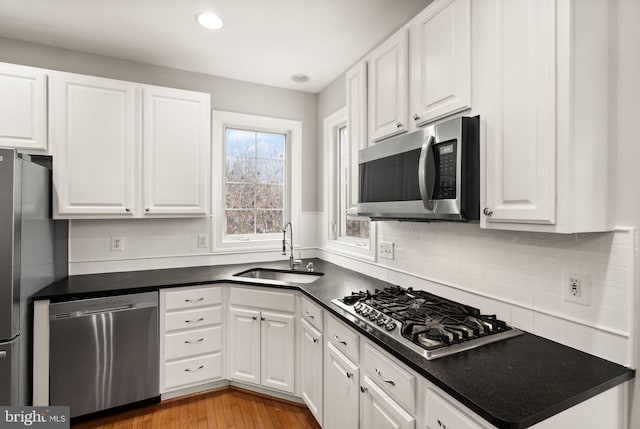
{"points": [[82, 313], [95, 306]]}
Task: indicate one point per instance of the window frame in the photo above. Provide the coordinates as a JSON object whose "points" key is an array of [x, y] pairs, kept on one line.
{"points": [[332, 240], [221, 120]]}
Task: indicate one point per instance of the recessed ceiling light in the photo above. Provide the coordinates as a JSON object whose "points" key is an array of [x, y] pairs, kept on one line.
{"points": [[209, 20], [300, 78]]}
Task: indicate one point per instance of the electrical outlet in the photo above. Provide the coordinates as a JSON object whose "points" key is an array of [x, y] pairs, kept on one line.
{"points": [[576, 288], [117, 244], [203, 240], [386, 250]]}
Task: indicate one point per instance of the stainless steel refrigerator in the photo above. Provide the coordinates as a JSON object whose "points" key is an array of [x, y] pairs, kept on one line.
{"points": [[32, 255]]}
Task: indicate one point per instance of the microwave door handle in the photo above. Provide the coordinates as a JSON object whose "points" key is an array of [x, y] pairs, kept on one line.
{"points": [[426, 178]]}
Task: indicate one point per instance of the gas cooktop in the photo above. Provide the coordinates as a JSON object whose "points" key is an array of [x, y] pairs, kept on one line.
{"points": [[429, 324]]}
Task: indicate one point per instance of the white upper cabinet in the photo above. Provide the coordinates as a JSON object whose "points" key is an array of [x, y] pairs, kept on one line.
{"points": [[388, 87], [356, 123], [520, 172], [94, 136], [176, 151], [440, 39], [23, 108], [122, 149], [548, 90]]}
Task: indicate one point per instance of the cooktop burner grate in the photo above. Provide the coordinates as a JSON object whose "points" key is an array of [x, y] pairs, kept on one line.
{"points": [[433, 325]]}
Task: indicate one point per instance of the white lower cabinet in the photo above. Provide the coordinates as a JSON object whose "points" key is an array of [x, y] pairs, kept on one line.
{"points": [[191, 337], [380, 411], [262, 340], [341, 390], [442, 413], [244, 345], [311, 368]]}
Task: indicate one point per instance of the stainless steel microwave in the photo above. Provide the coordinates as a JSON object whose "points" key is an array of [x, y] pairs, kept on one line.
{"points": [[429, 174]]}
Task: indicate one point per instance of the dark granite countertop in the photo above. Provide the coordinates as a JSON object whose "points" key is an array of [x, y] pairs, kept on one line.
{"points": [[513, 384]]}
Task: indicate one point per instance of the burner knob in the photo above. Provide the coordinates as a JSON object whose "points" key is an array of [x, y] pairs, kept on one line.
{"points": [[366, 311], [357, 307], [374, 314], [390, 326], [382, 321]]}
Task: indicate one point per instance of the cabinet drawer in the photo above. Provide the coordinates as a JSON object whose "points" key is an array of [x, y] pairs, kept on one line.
{"points": [[312, 314], [345, 340], [393, 379], [190, 298], [192, 371], [192, 343], [192, 318], [264, 299], [443, 413]]}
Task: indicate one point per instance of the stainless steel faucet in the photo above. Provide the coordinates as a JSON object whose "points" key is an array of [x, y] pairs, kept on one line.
{"points": [[292, 261]]}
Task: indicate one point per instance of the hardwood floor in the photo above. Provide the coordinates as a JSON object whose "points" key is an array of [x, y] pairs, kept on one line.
{"points": [[222, 409]]}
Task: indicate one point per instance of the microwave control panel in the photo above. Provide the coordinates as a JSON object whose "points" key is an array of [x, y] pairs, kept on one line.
{"points": [[446, 155]]}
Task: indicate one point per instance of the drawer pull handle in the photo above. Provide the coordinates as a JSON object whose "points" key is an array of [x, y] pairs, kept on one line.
{"points": [[441, 424], [194, 370], [344, 343], [310, 316], [194, 300], [349, 374], [363, 389], [263, 318], [199, 340], [391, 382], [194, 321], [255, 317], [315, 340]]}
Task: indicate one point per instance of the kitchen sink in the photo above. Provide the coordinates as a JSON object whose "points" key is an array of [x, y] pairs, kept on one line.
{"points": [[280, 275]]}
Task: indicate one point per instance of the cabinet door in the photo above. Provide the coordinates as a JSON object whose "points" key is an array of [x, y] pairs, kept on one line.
{"points": [[521, 145], [356, 123], [440, 60], [94, 135], [23, 107], [341, 391], [244, 345], [278, 351], [177, 134], [380, 411], [311, 368], [387, 82]]}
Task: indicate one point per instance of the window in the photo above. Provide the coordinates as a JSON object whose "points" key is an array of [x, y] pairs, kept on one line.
{"points": [[349, 225], [256, 179], [347, 232]]}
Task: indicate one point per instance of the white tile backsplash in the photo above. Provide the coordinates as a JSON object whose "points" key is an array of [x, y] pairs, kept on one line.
{"points": [[519, 276], [516, 275], [163, 243]]}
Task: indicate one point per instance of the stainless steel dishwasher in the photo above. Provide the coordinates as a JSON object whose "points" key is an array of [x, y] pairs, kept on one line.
{"points": [[103, 352]]}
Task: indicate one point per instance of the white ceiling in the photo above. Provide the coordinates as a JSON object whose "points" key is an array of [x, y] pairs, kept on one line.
{"points": [[263, 41]]}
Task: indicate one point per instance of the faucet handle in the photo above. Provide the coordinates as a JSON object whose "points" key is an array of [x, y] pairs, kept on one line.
{"points": [[310, 267]]}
